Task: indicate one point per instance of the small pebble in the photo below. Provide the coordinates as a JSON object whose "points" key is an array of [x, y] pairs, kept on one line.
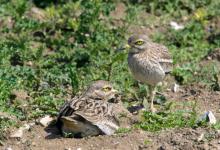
{"points": [[176, 88], [209, 58], [212, 119], [25, 127], [33, 143], [200, 138], [23, 141], [17, 134], [176, 26], [45, 121], [208, 116]]}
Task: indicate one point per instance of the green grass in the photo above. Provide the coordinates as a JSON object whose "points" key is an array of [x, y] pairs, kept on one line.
{"points": [[123, 130], [217, 126], [74, 43], [174, 115], [165, 120]]}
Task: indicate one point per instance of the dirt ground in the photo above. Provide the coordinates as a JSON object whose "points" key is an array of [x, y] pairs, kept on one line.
{"points": [[41, 138], [38, 138], [181, 139]]}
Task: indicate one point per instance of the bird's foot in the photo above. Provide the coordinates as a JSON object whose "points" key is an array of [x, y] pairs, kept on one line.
{"points": [[153, 109]]}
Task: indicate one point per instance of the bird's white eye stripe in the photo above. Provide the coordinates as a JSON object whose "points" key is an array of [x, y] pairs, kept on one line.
{"points": [[140, 40]]}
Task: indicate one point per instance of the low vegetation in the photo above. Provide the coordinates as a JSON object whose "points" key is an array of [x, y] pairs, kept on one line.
{"points": [[50, 50]]}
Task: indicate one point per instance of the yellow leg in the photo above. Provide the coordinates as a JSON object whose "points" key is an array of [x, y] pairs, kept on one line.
{"points": [[152, 94], [145, 103]]}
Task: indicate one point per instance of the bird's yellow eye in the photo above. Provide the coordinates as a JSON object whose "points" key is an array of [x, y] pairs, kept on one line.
{"points": [[139, 42], [107, 89]]}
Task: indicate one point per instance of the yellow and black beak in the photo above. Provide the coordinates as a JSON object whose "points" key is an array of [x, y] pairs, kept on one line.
{"points": [[125, 47]]}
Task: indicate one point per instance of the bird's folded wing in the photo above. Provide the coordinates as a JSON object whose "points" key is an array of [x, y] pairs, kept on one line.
{"points": [[166, 64], [64, 109], [101, 116], [107, 127], [165, 59], [69, 107]]}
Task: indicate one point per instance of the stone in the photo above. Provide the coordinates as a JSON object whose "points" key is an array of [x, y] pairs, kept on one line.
{"points": [[200, 138], [25, 127], [45, 121], [175, 88], [209, 117], [176, 26], [17, 134]]}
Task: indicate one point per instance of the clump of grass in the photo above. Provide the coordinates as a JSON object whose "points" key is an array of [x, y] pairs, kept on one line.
{"points": [[123, 130], [4, 124], [189, 47], [216, 126], [174, 115], [165, 120]]}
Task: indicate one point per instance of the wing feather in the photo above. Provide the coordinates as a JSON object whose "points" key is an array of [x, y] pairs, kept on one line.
{"points": [[163, 57], [97, 112]]}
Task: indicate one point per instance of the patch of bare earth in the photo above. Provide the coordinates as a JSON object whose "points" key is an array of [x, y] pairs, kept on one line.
{"points": [[39, 137], [185, 139]]}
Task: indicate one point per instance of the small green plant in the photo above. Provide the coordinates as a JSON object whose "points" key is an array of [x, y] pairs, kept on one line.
{"points": [[123, 130], [45, 105], [68, 135], [146, 142], [175, 8], [216, 126], [4, 124], [163, 120]]}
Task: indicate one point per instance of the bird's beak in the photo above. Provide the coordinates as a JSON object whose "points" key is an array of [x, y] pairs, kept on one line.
{"points": [[114, 91], [125, 47]]}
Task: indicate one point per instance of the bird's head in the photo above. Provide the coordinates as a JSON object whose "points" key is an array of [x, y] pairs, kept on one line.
{"points": [[136, 43], [103, 90]]}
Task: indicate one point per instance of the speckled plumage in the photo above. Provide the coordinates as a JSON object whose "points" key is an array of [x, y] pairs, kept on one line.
{"points": [[149, 62], [91, 114]]}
